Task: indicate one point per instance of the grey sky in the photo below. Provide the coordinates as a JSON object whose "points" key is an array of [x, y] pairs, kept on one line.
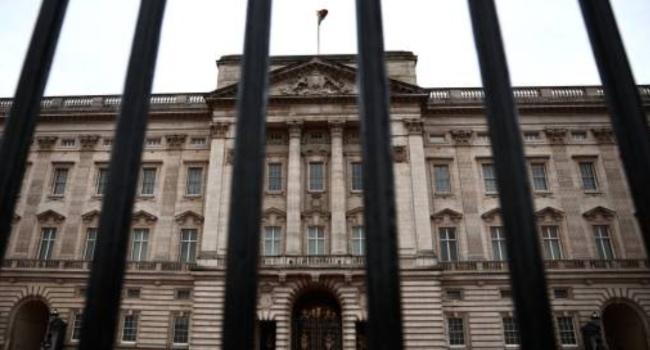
{"points": [[545, 39]]}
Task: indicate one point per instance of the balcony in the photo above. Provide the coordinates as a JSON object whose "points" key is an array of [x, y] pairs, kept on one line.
{"points": [[490, 266]]}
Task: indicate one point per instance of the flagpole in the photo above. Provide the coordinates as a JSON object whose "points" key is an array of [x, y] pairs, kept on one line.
{"points": [[318, 38]]}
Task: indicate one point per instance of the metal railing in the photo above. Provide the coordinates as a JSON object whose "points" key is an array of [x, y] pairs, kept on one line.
{"points": [[526, 267]]}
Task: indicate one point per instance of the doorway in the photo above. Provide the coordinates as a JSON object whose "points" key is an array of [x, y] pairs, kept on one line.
{"points": [[316, 323], [624, 328], [29, 326]]}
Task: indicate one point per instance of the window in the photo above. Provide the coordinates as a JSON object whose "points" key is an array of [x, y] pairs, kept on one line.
{"points": [[511, 331], [189, 239], [68, 142], [100, 184], [271, 245], [489, 179], [456, 331], [579, 135], [454, 294], [315, 240], [538, 172], [133, 293], [59, 181], [154, 141], [561, 293], [566, 331], [531, 136], [274, 177], [448, 246], [194, 181], [197, 141], [603, 242], [499, 251], [357, 176], [183, 294], [433, 138], [275, 137], [91, 243], [588, 175], [358, 240], [140, 244], [551, 242], [148, 181], [483, 137], [441, 178], [130, 328], [181, 330], [77, 318], [316, 176], [48, 237]]}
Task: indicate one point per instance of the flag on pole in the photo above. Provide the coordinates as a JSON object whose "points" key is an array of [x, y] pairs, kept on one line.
{"points": [[321, 15]]}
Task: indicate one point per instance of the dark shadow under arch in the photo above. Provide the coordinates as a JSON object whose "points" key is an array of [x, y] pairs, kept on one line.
{"points": [[29, 325], [316, 322], [624, 327]]}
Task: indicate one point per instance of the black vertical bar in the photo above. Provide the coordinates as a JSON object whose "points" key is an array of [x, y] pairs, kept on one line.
{"points": [[105, 285], [622, 95], [384, 309], [19, 129], [246, 197], [526, 267]]}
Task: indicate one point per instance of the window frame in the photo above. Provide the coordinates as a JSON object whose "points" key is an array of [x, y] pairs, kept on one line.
{"points": [[323, 240], [101, 180], [136, 317], [133, 241], [88, 240], [271, 179], [173, 329], [545, 240], [358, 241], [610, 238], [448, 332], [201, 180], [544, 166], [434, 178], [56, 167], [76, 320], [560, 331], [485, 180], [446, 241], [594, 172], [141, 179], [275, 239], [50, 241], [501, 241], [514, 329], [310, 177], [358, 177], [191, 243]]}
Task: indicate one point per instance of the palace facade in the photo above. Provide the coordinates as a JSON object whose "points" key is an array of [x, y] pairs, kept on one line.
{"points": [[454, 277]]}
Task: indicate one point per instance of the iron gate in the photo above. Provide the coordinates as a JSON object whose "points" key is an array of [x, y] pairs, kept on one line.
{"points": [[385, 327]]}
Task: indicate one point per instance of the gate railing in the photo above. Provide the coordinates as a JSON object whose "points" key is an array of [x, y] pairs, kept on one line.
{"points": [[526, 267]]}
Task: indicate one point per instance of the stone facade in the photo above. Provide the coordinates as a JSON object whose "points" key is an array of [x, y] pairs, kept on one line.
{"points": [[455, 285]]}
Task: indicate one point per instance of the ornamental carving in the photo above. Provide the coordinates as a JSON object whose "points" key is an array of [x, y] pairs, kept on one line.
{"points": [[336, 128], [549, 213], [462, 137], [182, 218], [295, 129], [143, 216], [175, 140], [414, 126], [556, 136], [452, 215], [400, 154], [46, 142], [599, 213], [230, 156], [604, 135], [315, 83], [90, 216], [50, 215], [219, 129], [88, 142]]}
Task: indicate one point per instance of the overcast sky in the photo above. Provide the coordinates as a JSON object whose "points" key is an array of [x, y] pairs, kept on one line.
{"points": [[545, 39]]}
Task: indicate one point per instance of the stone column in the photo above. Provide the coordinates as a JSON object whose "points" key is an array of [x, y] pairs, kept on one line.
{"points": [[294, 188], [338, 190], [619, 195], [419, 182], [213, 191]]}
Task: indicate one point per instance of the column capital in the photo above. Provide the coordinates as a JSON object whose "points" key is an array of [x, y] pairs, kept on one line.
{"points": [[462, 137], [219, 130], [336, 127], [556, 136], [295, 128], [414, 126], [604, 135]]}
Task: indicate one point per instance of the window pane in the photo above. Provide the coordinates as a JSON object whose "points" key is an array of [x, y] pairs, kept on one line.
{"points": [[148, 181], [188, 245], [489, 178], [603, 242], [316, 241], [566, 331], [358, 240], [48, 237], [448, 249], [357, 177], [91, 241], [181, 329], [588, 176], [456, 331], [511, 331], [316, 177], [539, 177], [551, 242], [102, 176], [194, 181], [441, 178], [498, 243], [59, 181], [275, 177], [271, 246], [130, 328], [76, 326], [140, 244]]}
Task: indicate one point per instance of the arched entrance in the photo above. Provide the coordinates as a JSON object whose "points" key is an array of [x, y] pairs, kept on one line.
{"points": [[29, 326], [316, 323], [624, 328]]}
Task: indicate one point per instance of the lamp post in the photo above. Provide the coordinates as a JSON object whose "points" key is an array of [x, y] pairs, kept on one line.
{"points": [[55, 335], [592, 333]]}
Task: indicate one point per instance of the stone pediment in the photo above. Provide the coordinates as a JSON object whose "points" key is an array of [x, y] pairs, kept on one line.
{"points": [[453, 215], [599, 213], [274, 211], [50, 215], [142, 215], [491, 214], [549, 212], [184, 216], [314, 78], [90, 216]]}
